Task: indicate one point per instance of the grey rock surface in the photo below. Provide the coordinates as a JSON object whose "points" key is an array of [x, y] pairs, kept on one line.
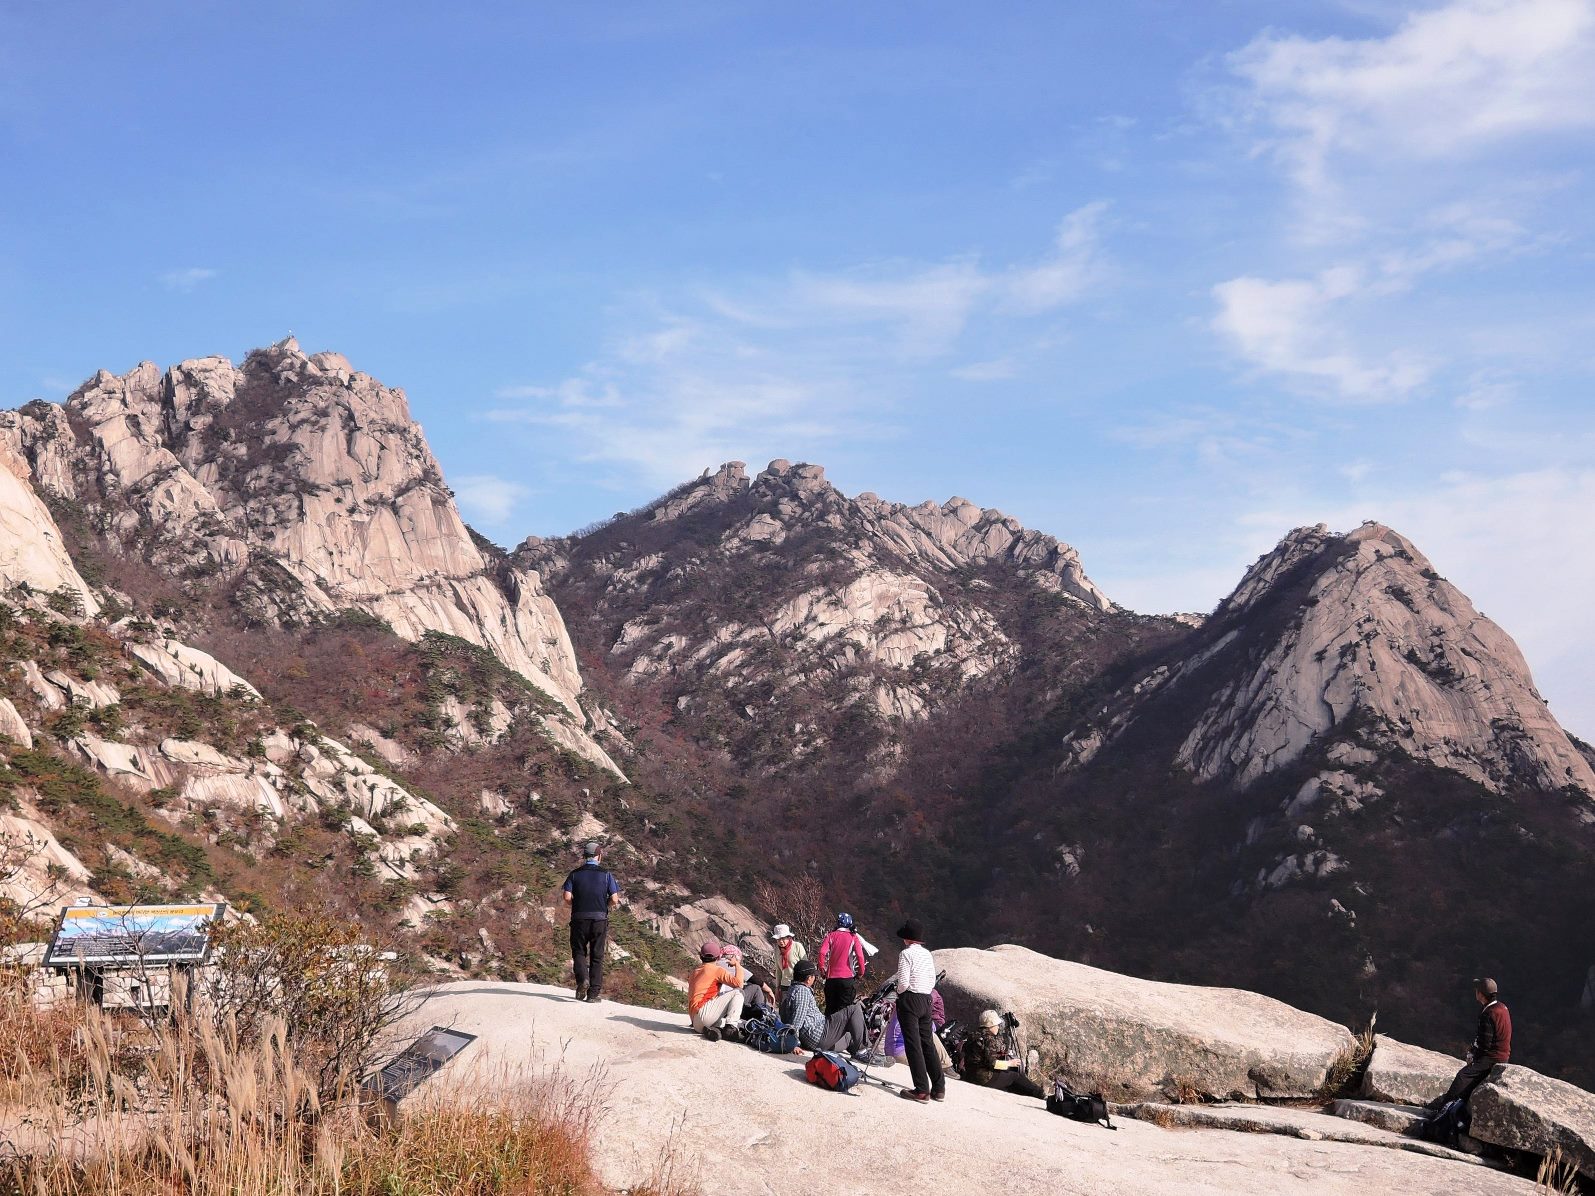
{"points": [[1401, 1074], [1139, 1039], [1519, 1108], [734, 1118]]}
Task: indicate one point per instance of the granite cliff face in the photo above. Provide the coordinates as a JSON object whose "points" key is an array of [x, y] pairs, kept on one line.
{"points": [[306, 488], [781, 582], [1357, 635]]}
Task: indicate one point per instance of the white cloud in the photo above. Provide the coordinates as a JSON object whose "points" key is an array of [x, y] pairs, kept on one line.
{"points": [[187, 279], [489, 498], [1449, 82], [1290, 328], [790, 366], [1068, 271]]}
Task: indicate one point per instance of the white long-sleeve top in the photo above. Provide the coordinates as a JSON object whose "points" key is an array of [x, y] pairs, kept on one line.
{"points": [[916, 970]]}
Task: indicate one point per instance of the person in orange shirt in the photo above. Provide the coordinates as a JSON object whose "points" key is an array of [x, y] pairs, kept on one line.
{"points": [[714, 996]]}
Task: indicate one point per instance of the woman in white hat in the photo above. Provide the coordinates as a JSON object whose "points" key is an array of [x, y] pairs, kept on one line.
{"points": [[788, 951]]}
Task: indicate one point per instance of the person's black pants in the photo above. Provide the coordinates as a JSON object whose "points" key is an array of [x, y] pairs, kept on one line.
{"points": [[919, 1042], [587, 937], [1014, 1081], [839, 994], [1469, 1078]]}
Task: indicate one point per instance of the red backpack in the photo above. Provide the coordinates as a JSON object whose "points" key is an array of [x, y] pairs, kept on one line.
{"points": [[832, 1071]]}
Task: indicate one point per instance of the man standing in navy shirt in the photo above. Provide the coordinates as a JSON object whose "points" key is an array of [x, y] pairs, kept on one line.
{"points": [[589, 891]]}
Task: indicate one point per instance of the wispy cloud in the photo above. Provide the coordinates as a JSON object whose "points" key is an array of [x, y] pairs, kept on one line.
{"points": [[792, 365], [488, 498], [1395, 151], [1449, 82], [1290, 327], [188, 278]]}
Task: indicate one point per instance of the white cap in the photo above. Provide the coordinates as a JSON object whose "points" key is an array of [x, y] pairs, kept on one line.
{"points": [[781, 931], [990, 1020]]}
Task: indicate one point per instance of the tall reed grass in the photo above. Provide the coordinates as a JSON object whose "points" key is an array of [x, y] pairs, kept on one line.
{"points": [[94, 1107]]}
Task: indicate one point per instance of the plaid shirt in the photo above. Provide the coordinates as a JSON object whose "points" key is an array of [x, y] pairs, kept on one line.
{"points": [[800, 1009]]}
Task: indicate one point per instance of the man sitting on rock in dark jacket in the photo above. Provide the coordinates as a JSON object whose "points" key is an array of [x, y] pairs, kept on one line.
{"points": [[987, 1061], [1492, 1044]]}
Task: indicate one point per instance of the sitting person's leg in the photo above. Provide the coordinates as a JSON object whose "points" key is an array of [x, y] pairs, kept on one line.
{"points": [[717, 1011], [844, 1030], [1469, 1078]]}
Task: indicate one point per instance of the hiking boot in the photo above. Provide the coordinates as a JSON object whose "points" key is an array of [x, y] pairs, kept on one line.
{"points": [[938, 1096], [711, 1034], [909, 1094], [581, 992], [869, 1058], [731, 1034], [594, 998]]}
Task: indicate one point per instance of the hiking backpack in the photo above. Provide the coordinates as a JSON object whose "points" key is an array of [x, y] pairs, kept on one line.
{"points": [[770, 1035], [832, 1071], [1447, 1126], [1091, 1108]]}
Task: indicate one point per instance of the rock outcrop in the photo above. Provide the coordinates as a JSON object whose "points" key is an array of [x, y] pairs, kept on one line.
{"points": [[723, 572], [978, 1139], [1381, 635], [304, 484], [1523, 1110], [1142, 1039], [1401, 1074], [32, 552], [1329, 631]]}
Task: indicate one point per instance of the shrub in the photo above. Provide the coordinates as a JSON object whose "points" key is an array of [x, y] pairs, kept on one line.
{"points": [[335, 995]]}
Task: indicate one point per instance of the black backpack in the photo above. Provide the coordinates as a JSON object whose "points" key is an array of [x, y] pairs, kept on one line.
{"points": [[1093, 1108], [1447, 1126]]}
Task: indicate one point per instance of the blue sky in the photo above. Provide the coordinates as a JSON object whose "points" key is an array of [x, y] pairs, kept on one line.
{"points": [[1163, 278]]}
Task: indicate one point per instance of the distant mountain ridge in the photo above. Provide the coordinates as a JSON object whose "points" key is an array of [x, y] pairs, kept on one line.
{"points": [[758, 682]]}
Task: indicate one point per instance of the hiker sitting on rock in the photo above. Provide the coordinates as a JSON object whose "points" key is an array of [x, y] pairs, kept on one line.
{"points": [[990, 1058], [714, 995], [1491, 1045], [843, 1030], [756, 994]]}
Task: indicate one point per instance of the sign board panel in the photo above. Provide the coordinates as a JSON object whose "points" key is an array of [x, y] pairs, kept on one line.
{"points": [[131, 936], [419, 1061]]}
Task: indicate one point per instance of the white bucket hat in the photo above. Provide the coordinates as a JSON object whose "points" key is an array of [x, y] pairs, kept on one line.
{"points": [[781, 931]]}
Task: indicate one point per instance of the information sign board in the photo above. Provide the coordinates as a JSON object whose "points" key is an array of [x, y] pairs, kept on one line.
{"points": [[130, 936], [419, 1061]]}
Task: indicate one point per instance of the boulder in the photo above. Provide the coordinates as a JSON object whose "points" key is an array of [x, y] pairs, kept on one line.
{"points": [[1519, 1108], [12, 725], [1138, 1039], [1406, 1075]]}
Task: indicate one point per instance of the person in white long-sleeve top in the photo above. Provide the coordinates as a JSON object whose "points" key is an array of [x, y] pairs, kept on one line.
{"points": [[916, 980]]}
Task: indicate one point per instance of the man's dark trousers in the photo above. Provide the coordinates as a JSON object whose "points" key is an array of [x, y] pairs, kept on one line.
{"points": [[919, 1042], [840, 993], [1469, 1078], [587, 936]]}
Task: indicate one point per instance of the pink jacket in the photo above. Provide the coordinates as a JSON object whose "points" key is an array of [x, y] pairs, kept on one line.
{"points": [[837, 951]]}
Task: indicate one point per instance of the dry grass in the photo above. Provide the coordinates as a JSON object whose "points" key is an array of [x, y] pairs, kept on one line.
{"points": [[1346, 1071], [193, 1110], [1557, 1174]]}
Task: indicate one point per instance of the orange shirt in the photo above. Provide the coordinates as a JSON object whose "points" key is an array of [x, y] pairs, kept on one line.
{"points": [[705, 983]]}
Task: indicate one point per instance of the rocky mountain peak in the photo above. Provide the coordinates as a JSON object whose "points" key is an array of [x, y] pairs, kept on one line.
{"points": [[302, 483], [1330, 630]]}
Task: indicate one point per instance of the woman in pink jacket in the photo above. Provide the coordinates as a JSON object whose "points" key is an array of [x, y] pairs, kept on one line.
{"points": [[843, 961]]}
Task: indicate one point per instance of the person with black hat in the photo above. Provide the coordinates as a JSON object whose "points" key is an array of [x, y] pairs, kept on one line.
{"points": [[1492, 1044], [916, 980], [590, 891]]}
